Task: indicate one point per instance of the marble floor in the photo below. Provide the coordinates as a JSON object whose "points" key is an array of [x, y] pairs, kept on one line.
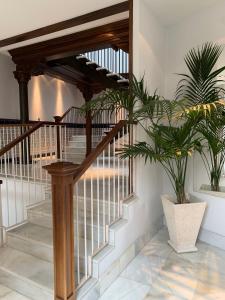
{"points": [[158, 273], [7, 294]]}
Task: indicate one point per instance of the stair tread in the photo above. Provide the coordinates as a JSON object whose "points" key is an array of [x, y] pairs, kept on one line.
{"points": [[47, 212], [33, 232], [41, 235], [27, 266]]}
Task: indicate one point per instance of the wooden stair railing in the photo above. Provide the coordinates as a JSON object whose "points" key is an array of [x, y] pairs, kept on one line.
{"points": [[64, 176], [27, 132], [97, 125]]}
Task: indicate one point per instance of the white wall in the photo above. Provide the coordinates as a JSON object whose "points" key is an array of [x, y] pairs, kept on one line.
{"points": [[207, 25], [47, 96], [149, 56], [204, 26], [9, 93], [149, 47]]}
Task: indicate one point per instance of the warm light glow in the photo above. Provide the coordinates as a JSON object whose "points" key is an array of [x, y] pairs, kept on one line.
{"points": [[100, 173], [36, 106], [59, 98]]}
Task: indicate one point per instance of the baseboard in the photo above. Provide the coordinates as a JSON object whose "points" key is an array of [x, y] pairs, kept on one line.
{"points": [[212, 238]]}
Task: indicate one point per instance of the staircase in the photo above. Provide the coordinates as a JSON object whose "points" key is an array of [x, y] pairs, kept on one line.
{"points": [[102, 194], [109, 77], [100, 201], [75, 151], [26, 261], [106, 68]]}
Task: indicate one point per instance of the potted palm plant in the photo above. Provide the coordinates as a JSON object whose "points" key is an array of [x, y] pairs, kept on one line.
{"points": [[171, 144], [172, 140], [202, 87], [212, 129]]}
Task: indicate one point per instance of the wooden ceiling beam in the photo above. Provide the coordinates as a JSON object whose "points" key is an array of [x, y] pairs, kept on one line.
{"points": [[86, 18], [87, 40]]}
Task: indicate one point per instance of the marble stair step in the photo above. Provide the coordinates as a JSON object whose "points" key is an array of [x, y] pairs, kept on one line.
{"points": [[45, 209], [75, 151], [38, 241], [42, 215], [80, 144], [102, 191], [74, 158], [28, 275], [81, 137], [33, 277]]}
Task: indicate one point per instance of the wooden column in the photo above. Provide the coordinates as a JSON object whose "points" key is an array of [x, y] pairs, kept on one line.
{"points": [[88, 95], [23, 75], [63, 229]]}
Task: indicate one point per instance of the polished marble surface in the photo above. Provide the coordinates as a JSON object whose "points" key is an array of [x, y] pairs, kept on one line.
{"points": [[7, 294], [157, 272]]}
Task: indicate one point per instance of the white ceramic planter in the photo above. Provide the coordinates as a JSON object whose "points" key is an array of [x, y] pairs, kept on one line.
{"points": [[183, 221]]}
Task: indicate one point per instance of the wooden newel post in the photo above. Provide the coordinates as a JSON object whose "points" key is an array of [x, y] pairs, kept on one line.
{"points": [[63, 229], [1, 221], [57, 121]]}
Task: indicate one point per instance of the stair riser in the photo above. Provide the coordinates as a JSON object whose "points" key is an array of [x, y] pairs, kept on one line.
{"points": [[38, 250], [96, 205], [82, 138], [103, 218], [80, 144], [75, 151], [46, 221], [77, 159]]}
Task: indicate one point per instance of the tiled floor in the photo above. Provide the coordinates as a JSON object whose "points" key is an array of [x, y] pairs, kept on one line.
{"points": [[158, 273]]}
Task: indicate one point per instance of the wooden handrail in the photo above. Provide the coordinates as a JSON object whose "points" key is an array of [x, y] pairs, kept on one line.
{"points": [[16, 125], [60, 118], [23, 136], [19, 139], [98, 150]]}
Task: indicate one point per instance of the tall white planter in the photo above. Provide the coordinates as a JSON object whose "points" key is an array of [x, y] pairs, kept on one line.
{"points": [[183, 221]]}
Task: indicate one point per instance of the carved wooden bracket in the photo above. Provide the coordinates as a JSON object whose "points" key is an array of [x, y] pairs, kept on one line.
{"points": [[86, 91]]}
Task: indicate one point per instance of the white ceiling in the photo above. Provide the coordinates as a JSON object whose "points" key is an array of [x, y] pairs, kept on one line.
{"points": [[19, 16], [173, 11]]}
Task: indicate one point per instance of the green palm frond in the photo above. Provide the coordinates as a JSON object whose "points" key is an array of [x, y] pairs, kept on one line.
{"points": [[202, 85], [212, 130], [136, 101], [171, 146]]}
